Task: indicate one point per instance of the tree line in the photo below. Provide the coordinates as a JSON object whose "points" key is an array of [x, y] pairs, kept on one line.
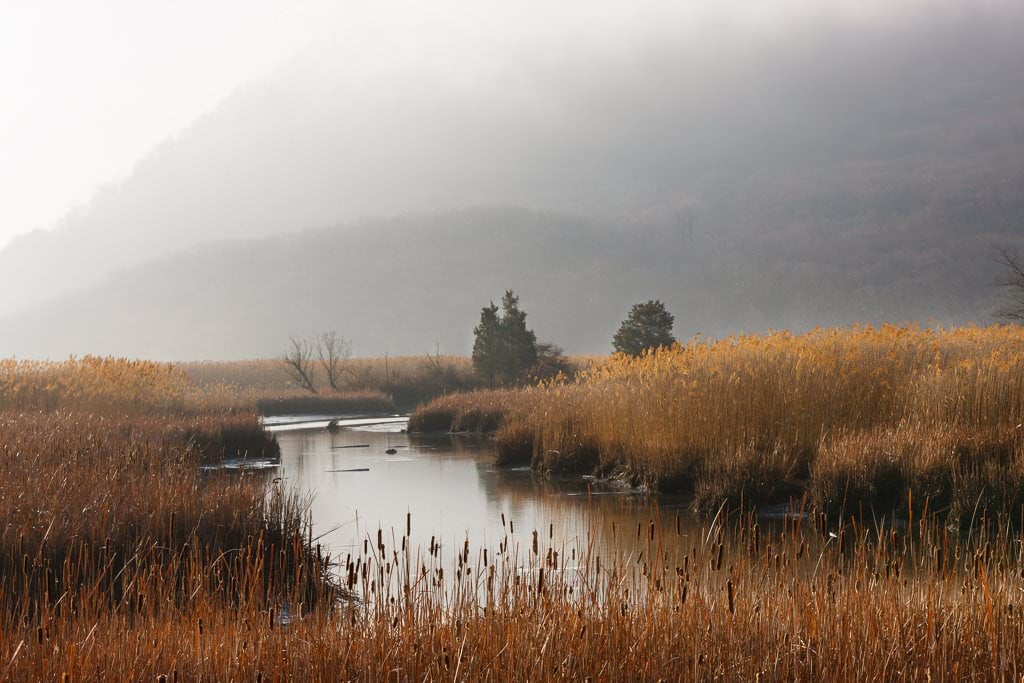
{"points": [[506, 351]]}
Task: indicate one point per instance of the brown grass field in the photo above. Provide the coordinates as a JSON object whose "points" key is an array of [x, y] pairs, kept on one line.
{"points": [[737, 603], [112, 385], [366, 384], [854, 418], [120, 559]]}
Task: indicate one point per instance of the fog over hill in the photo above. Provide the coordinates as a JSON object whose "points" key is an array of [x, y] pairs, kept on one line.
{"points": [[823, 172], [416, 284]]}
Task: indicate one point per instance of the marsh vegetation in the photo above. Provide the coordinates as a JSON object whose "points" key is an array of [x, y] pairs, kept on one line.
{"points": [[854, 419], [360, 384], [122, 557]]}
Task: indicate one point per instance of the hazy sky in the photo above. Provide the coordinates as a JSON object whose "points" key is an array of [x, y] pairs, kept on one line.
{"points": [[89, 88]]}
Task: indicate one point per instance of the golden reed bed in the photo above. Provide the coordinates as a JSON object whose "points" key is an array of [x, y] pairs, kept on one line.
{"points": [[120, 560], [732, 602], [854, 418]]}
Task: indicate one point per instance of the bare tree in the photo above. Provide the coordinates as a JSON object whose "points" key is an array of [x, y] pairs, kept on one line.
{"points": [[1012, 282], [298, 362], [333, 351]]}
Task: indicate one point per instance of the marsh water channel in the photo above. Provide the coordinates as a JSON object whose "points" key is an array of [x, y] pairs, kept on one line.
{"points": [[369, 479]]}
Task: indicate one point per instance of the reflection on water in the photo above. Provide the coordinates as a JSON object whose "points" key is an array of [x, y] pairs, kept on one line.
{"points": [[452, 492]]}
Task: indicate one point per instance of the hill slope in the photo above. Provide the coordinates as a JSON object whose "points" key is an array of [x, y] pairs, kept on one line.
{"points": [[404, 285], [820, 133]]}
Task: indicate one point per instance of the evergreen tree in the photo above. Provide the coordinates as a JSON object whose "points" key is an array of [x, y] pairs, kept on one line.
{"points": [[504, 349], [487, 346], [648, 326], [519, 344]]}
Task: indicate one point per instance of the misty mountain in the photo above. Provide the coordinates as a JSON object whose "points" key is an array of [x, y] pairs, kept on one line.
{"points": [[416, 283], [719, 170]]}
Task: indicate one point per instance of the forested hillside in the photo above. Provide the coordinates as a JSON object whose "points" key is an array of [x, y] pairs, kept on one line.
{"points": [[413, 284]]}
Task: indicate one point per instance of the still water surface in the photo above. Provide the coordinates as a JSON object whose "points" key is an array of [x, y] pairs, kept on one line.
{"points": [[453, 492]]}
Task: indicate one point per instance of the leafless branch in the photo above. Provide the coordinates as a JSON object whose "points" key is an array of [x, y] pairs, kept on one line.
{"points": [[1012, 282], [298, 363], [333, 351]]}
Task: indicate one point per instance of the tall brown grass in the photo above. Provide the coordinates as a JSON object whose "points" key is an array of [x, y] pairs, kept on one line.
{"points": [[731, 602], [120, 559], [96, 384], [364, 382], [405, 380], [119, 386], [853, 416], [479, 411], [105, 513]]}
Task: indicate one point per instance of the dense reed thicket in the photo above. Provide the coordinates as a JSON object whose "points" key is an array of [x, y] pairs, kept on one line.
{"points": [[732, 602], [370, 384], [364, 384], [95, 384], [118, 386], [855, 417], [110, 521], [106, 515], [120, 558]]}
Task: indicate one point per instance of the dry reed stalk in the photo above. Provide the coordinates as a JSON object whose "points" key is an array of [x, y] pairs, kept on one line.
{"points": [[856, 416], [830, 615]]}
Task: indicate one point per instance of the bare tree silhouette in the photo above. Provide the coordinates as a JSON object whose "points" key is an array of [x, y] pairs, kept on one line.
{"points": [[1012, 282], [333, 351], [298, 363]]}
